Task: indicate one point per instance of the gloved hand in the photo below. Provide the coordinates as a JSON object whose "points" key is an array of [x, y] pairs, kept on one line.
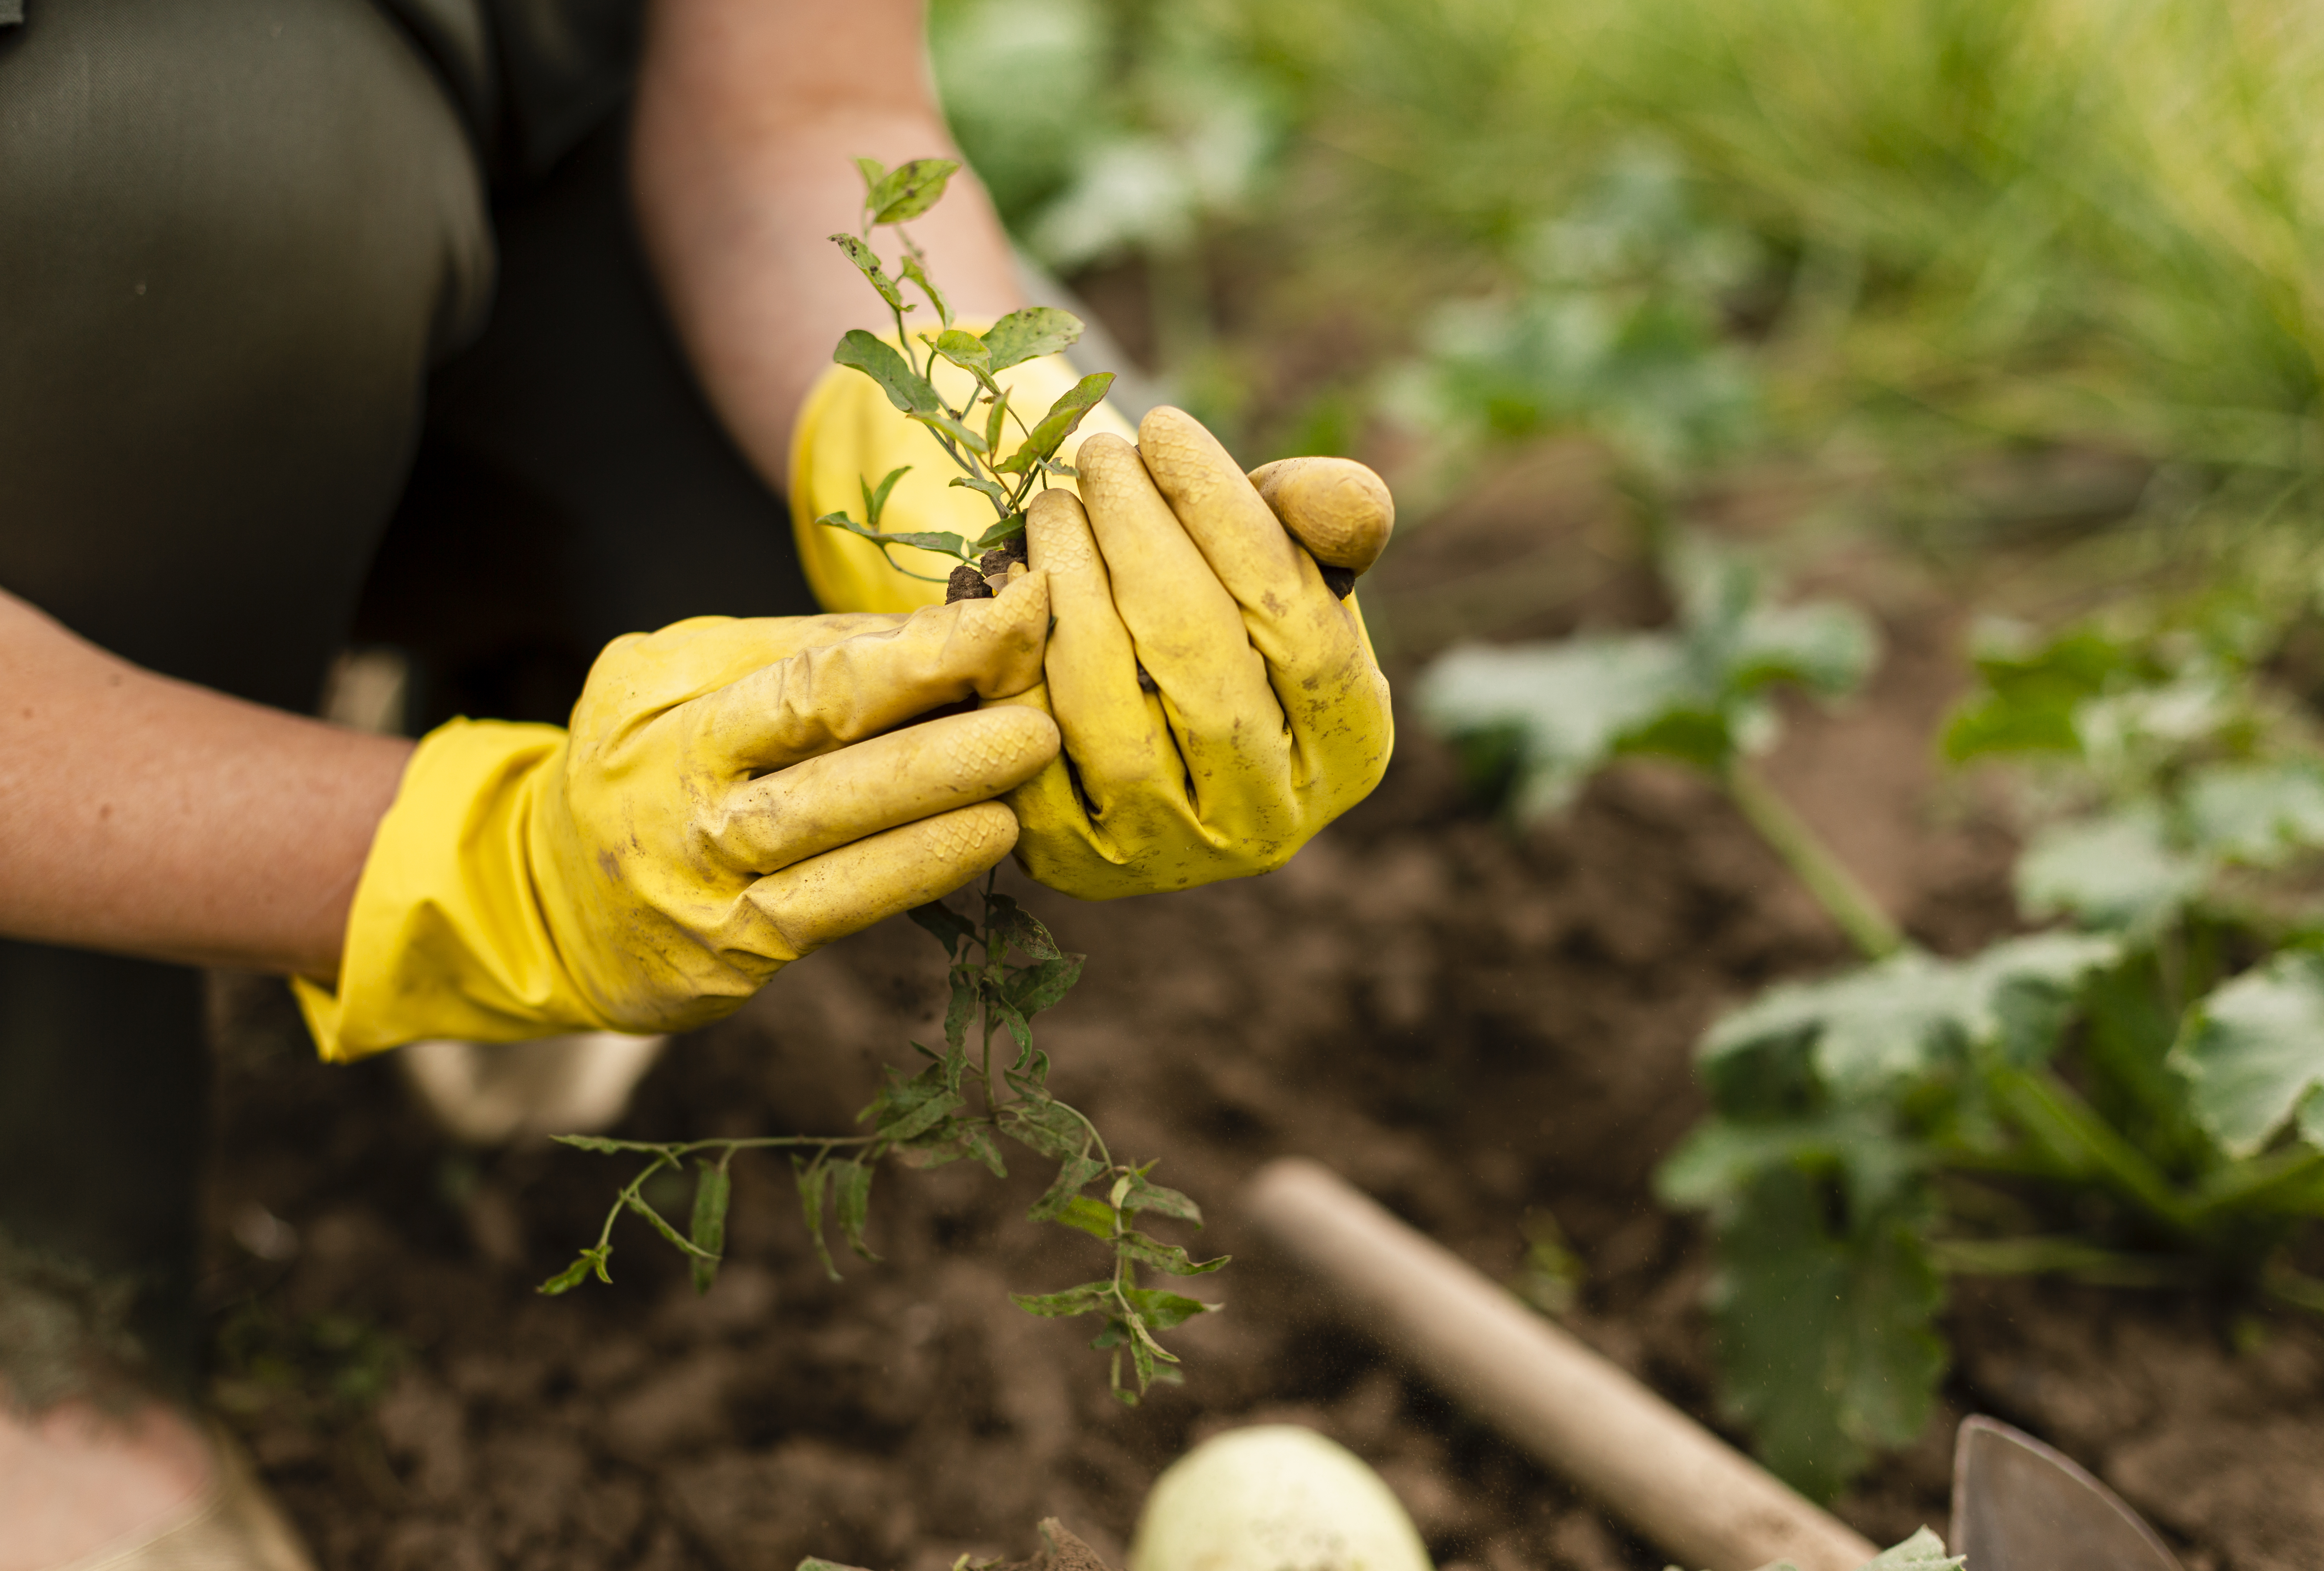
{"points": [[1267, 715], [731, 795]]}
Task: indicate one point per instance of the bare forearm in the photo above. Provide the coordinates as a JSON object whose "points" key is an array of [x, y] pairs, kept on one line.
{"points": [[749, 115], [151, 816]]}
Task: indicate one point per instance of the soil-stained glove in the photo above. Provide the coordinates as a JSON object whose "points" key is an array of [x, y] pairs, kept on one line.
{"points": [[1264, 715], [848, 433], [731, 795]]}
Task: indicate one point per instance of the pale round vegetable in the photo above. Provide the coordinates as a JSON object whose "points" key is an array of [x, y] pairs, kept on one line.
{"points": [[1274, 1497]]}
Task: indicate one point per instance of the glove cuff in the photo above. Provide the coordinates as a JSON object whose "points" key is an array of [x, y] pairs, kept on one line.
{"points": [[447, 936], [849, 434]]}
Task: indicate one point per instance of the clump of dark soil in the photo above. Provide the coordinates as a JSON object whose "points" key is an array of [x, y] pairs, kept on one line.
{"points": [[1476, 1027]]}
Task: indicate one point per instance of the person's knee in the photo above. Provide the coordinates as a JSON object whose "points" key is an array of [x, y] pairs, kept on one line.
{"points": [[232, 238]]}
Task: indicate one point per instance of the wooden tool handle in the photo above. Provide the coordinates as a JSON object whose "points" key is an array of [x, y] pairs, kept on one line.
{"points": [[1672, 1480]]}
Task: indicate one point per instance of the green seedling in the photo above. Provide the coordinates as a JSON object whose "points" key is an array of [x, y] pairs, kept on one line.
{"points": [[973, 432], [989, 1084]]}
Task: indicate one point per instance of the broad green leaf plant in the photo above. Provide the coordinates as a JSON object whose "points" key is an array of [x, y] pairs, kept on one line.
{"points": [[2132, 1096], [989, 1084]]}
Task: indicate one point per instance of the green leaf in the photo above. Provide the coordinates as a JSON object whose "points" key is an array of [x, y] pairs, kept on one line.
{"points": [[871, 169], [1012, 921], [908, 191], [1039, 987], [1008, 529], [1047, 1127], [996, 419], [992, 488], [965, 350], [961, 1009], [2119, 872], [1013, 1021], [852, 1202], [2031, 694], [1826, 1339], [595, 1142], [1090, 1214], [906, 388], [944, 544], [1030, 334], [941, 421], [1080, 1300], [907, 1109], [1143, 1196], [1721, 1158], [918, 275], [661, 1224], [574, 1275], [944, 925], [1163, 1309], [867, 263], [813, 1180], [1076, 1170], [1910, 1013], [875, 501], [714, 1187], [1923, 1551], [1168, 1257], [2252, 1054], [1064, 419], [2258, 814]]}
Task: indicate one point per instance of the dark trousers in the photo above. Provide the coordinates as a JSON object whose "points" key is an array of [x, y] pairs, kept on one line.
{"points": [[259, 394]]}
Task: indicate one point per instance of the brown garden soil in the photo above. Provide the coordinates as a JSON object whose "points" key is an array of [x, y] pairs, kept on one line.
{"points": [[1481, 1029]]}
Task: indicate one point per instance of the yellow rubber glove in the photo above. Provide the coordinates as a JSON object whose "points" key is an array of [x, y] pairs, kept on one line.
{"points": [[849, 433], [731, 795], [1269, 718]]}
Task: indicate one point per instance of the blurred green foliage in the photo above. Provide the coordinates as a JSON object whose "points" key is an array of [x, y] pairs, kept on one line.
{"points": [[1908, 231]]}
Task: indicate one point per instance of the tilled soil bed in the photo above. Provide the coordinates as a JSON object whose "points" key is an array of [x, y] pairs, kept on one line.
{"points": [[1475, 1027]]}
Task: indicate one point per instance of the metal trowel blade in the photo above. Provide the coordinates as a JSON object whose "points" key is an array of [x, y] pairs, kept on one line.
{"points": [[2019, 1506]]}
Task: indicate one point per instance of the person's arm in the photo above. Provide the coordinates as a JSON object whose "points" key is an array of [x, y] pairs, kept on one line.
{"points": [[750, 114], [151, 816]]}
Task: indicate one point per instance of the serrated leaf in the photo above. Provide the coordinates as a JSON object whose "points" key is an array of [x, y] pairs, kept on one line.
{"points": [[1163, 1256], [850, 1196], [944, 925], [907, 1109], [867, 263], [906, 191], [2118, 872], [2252, 1054], [1144, 1195], [906, 388], [918, 276], [1073, 1301], [1013, 1021], [713, 1189], [983, 1146], [1030, 334], [1064, 419], [661, 1224], [1073, 1172], [1827, 1340], [813, 1180], [1012, 921]]}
